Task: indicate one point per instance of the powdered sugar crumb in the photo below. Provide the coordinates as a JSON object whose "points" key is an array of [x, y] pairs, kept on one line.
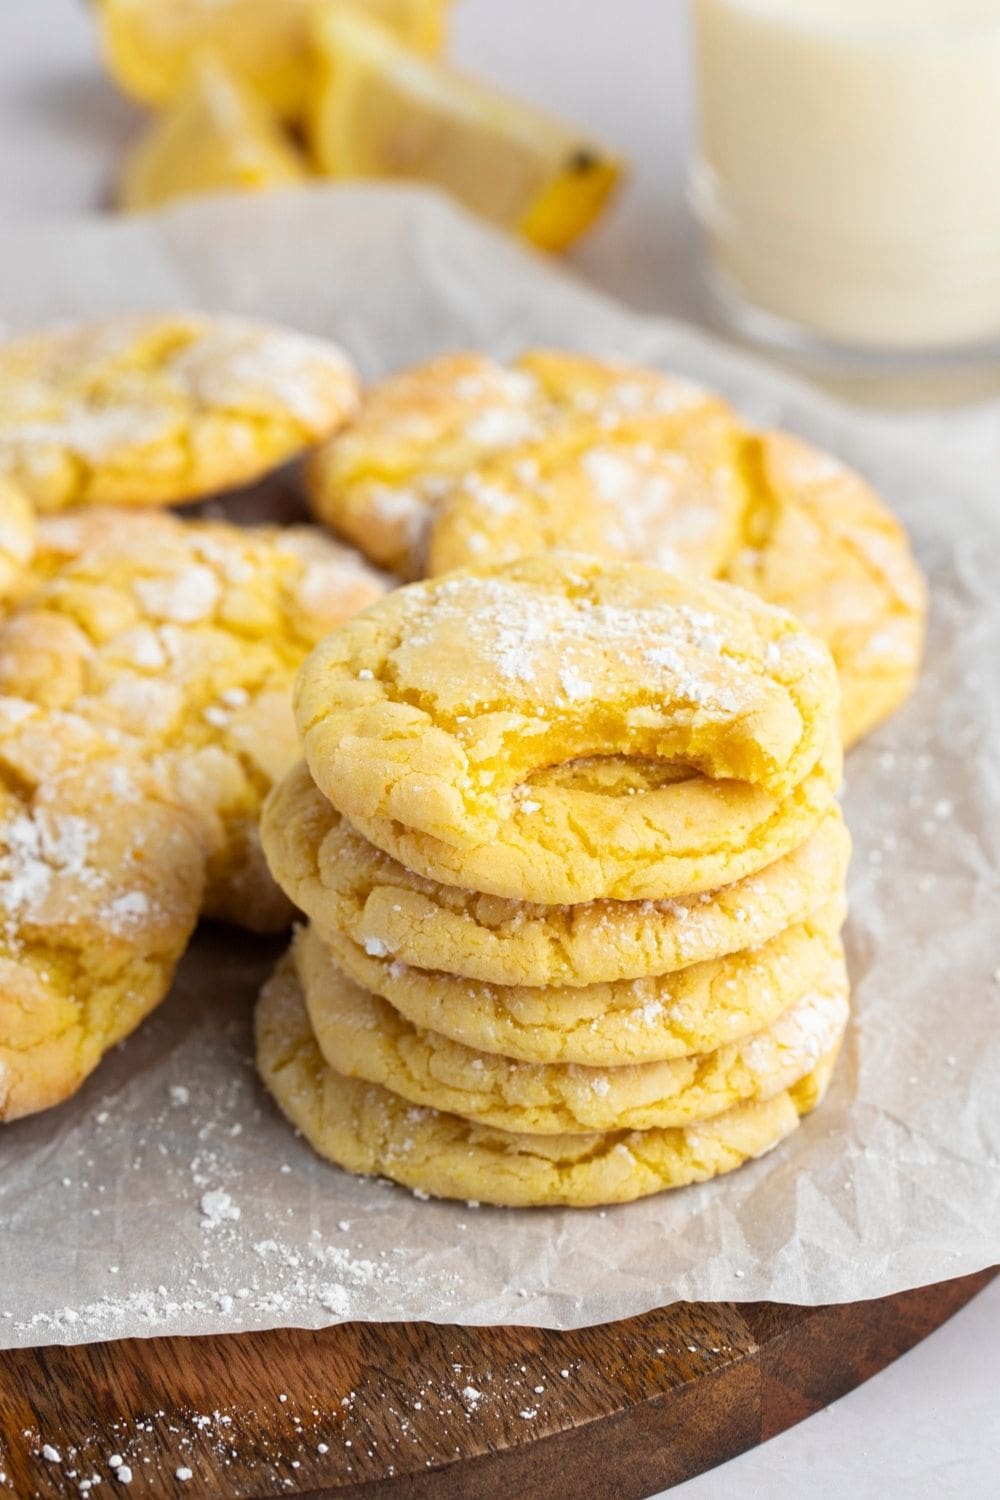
{"points": [[217, 1206], [335, 1300], [182, 598], [571, 649]]}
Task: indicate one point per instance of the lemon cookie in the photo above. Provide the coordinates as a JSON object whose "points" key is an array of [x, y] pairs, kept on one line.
{"points": [[61, 537], [178, 643], [100, 886], [17, 537], [692, 1010], [164, 408], [367, 1129], [661, 502], [350, 889], [362, 1036], [498, 432], [817, 540], [560, 730], [804, 532], [460, 462], [801, 531]]}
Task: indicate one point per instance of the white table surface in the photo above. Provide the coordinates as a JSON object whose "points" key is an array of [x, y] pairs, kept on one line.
{"points": [[928, 1427]]}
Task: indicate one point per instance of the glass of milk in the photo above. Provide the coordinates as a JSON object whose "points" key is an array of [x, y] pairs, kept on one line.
{"points": [[848, 179]]}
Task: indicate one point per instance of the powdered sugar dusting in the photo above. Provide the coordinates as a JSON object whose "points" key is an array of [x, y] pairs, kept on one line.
{"points": [[136, 390], [181, 598], [93, 432], [236, 364], [131, 907], [658, 509], [500, 427], [573, 648], [37, 848], [806, 1032]]}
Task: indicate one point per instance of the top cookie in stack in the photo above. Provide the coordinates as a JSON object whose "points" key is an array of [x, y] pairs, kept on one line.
{"points": [[463, 460], [529, 756]]}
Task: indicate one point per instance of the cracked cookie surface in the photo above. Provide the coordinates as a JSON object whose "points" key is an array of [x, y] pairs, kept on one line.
{"points": [[818, 541], [177, 642], [463, 461], [162, 408], [101, 880], [365, 1128], [560, 729], [465, 422], [351, 890]]}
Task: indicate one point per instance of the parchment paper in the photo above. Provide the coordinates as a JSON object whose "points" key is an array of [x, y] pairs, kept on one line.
{"points": [[170, 1197]]}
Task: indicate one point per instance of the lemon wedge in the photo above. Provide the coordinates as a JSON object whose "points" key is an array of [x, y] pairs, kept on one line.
{"points": [[216, 135], [149, 45], [380, 110]]}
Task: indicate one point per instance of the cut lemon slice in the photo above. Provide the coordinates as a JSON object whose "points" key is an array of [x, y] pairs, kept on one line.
{"points": [[149, 45], [216, 135], [379, 110]]}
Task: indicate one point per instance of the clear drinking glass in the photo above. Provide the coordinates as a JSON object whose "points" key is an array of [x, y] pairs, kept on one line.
{"points": [[848, 173]]}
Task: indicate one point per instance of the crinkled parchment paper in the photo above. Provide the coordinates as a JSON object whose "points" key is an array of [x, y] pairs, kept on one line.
{"points": [[170, 1197]]}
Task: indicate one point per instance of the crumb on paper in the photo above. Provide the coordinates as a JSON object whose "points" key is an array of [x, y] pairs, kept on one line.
{"points": [[217, 1206]]}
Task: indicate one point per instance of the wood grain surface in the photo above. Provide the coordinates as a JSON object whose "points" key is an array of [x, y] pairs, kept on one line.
{"points": [[408, 1410]]}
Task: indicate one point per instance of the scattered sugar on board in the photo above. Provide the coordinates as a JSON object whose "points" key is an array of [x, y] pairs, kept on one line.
{"points": [[286, 1431]]}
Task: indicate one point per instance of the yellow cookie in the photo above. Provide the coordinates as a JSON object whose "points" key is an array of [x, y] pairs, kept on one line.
{"points": [[60, 538], [693, 1010], [465, 420], [178, 642], [100, 886], [462, 461], [367, 1129], [818, 541], [349, 888], [562, 730], [17, 537], [162, 408], [674, 505], [363, 1036], [804, 532]]}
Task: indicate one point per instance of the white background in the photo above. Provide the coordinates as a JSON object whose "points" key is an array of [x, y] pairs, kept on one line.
{"points": [[928, 1428]]}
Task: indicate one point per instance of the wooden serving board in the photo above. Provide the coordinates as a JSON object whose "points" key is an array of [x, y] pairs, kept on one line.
{"points": [[408, 1410]]}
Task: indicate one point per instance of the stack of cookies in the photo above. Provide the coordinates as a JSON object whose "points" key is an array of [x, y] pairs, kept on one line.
{"points": [[567, 841]]}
